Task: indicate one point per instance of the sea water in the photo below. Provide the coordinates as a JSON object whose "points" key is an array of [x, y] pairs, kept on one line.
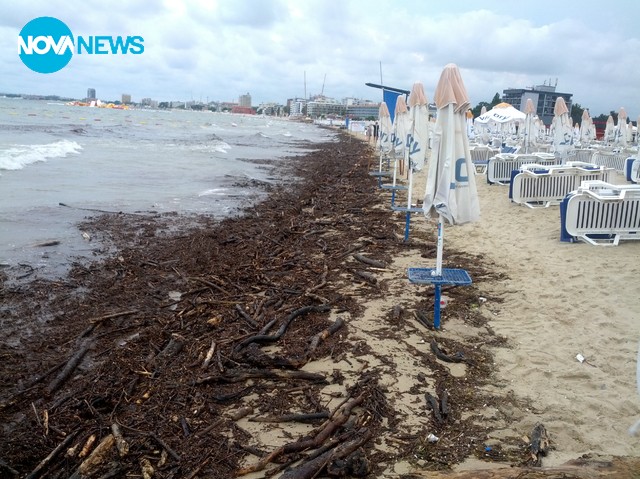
{"points": [[58, 161]]}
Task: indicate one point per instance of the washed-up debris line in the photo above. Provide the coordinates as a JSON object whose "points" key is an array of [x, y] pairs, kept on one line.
{"points": [[143, 362]]}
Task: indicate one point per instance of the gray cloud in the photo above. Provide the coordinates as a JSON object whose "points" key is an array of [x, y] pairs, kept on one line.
{"points": [[223, 49]]}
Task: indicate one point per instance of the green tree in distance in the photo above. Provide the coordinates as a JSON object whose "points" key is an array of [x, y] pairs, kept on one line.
{"points": [[478, 108]]}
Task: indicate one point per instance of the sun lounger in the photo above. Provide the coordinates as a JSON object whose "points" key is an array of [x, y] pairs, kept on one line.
{"points": [[501, 165], [600, 213], [632, 169], [480, 157], [539, 186], [584, 154], [611, 159]]}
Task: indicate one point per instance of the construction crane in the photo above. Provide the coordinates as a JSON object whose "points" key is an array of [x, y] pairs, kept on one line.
{"points": [[325, 79]]}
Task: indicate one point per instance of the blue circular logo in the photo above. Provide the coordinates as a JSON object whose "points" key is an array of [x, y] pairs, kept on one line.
{"points": [[45, 45]]}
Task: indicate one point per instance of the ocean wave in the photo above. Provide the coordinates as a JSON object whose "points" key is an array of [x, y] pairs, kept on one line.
{"points": [[214, 192], [215, 146], [19, 156]]}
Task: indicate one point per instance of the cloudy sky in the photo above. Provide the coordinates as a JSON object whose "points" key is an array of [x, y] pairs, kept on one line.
{"points": [[220, 49]]}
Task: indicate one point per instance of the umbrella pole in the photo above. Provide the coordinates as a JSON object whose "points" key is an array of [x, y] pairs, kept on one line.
{"points": [[393, 189], [409, 194], [438, 272]]}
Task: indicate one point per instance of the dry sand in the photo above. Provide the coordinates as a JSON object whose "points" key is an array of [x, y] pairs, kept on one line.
{"points": [[560, 300]]}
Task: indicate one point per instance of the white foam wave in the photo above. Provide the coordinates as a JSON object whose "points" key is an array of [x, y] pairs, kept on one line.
{"points": [[214, 192], [19, 156], [216, 146]]}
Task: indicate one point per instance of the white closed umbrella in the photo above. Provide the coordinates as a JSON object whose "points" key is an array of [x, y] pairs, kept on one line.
{"points": [[609, 130], [384, 135], [620, 132], [562, 130], [587, 130], [384, 143], [529, 126], [450, 192], [417, 144]]}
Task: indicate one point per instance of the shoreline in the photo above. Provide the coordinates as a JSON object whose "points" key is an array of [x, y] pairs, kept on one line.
{"points": [[167, 320]]}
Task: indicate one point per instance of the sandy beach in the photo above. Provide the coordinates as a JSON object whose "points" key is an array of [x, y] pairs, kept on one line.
{"points": [[180, 350], [560, 300], [569, 314]]}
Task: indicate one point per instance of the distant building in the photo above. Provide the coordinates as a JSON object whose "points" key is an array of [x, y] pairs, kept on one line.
{"points": [[126, 98], [245, 100], [148, 102], [323, 106], [91, 93], [543, 96], [363, 110], [297, 107]]}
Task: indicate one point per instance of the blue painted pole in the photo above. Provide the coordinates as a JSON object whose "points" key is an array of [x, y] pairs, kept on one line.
{"points": [[406, 226], [393, 197], [436, 307]]}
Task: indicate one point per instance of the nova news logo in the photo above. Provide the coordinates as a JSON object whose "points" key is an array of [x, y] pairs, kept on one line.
{"points": [[46, 45]]}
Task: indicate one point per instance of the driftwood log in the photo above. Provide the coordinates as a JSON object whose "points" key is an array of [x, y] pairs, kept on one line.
{"points": [[338, 419], [443, 356]]}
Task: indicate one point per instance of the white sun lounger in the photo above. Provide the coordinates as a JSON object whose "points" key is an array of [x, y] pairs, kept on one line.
{"points": [[480, 157], [500, 166], [610, 159], [539, 186], [600, 213]]}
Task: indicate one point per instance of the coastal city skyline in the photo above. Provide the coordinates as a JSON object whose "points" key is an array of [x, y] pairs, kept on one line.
{"points": [[282, 49]]}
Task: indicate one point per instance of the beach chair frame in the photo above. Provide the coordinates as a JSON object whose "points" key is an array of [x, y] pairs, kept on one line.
{"points": [[501, 166], [601, 214], [611, 159], [539, 186]]}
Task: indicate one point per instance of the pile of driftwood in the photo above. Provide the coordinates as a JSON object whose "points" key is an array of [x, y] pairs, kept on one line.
{"points": [[147, 362], [144, 362]]}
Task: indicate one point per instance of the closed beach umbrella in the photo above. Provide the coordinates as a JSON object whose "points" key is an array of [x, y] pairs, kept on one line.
{"points": [[451, 188], [401, 128], [620, 132], [419, 112], [418, 142], [586, 129], [384, 134], [609, 130], [450, 191], [529, 126], [561, 126], [470, 133], [482, 129]]}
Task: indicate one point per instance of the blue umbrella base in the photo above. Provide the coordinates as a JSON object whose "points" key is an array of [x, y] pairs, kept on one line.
{"points": [[404, 209], [379, 173], [458, 277]]}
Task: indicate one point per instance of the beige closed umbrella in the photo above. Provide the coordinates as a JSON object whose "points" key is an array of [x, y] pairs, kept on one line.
{"points": [[562, 130], [450, 192], [417, 145], [620, 131]]}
